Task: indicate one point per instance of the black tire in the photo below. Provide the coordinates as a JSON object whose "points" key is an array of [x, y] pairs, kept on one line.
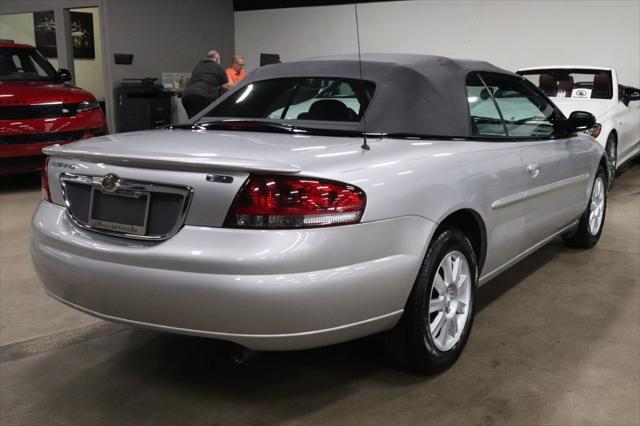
{"points": [[410, 343], [611, 149], [582, 236]]}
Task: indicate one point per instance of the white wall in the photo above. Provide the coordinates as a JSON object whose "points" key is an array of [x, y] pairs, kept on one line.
{"points": [[509, 34], [18, 27], [295, 33]]}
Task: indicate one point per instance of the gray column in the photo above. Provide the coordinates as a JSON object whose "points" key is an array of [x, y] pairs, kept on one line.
{"points": [[63, 39]]}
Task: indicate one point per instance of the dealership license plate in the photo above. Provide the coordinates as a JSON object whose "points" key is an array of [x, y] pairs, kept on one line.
{"points": [[125, 211]]}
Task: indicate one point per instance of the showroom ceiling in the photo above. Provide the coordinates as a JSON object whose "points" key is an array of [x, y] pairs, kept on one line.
{"points": [[241, 5]]}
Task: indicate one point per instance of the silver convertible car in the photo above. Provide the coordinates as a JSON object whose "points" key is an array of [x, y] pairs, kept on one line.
{"points": [[321, 201]]}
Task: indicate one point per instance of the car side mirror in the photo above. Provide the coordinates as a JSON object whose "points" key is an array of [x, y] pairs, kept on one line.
{"points": [[630, 96], [64, 75], [581, 120]]}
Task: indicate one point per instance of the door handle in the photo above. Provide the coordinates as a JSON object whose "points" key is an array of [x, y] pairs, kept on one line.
{"points": [[534, 170]]}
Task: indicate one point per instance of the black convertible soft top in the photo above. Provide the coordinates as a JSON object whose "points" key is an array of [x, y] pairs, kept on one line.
{"points": [[415, 94]]}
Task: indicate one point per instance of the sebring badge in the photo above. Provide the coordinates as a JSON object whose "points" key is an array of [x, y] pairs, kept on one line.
{"points": [[109, 182], [62, 165]]}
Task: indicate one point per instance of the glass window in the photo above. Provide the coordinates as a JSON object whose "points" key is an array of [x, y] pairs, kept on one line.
{"points": [[525, 112], [572, 83], [485, 118], [24, 64], [316, 98], [39, 70]]}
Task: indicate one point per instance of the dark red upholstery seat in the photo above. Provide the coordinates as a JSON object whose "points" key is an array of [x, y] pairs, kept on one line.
{"points": [[601, 86], [565, 85], [328, 110], [547, 84]]}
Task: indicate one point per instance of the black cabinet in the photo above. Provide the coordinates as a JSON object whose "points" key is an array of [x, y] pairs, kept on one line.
{"points": [[142, 104]]}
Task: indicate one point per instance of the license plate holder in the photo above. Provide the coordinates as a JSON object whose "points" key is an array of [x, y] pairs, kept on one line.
{"points": [[122, 211]]}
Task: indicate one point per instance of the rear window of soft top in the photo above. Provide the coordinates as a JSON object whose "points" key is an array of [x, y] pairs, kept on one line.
{"points": [[303, 98]]}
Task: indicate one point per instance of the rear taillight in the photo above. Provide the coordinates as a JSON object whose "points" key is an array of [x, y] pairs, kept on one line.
{"points": [[292, 202], [44, 181]]}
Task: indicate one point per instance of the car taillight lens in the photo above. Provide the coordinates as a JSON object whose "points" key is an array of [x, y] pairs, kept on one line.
{"points": [[44, 181], [292, 202]]}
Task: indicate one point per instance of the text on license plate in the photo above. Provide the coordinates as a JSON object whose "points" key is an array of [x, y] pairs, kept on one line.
{"points": [[125, 211]]}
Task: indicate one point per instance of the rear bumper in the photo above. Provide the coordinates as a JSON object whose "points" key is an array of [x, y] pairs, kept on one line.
{"points": [[266, 290]]}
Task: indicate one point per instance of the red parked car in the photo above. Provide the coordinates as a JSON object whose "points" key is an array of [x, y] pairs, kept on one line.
{"points": [[38, 109]]}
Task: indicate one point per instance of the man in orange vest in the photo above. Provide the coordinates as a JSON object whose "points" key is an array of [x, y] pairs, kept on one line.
{"points": [[235, 72]]}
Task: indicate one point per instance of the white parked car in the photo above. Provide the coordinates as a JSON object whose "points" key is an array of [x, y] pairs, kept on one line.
{"points": [[598, 91]]}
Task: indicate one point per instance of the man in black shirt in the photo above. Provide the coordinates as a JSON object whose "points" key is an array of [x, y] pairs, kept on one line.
{"points": [[207, 78]]}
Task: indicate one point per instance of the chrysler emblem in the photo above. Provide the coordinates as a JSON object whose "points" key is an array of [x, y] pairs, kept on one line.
{"points": [[109, 182]]}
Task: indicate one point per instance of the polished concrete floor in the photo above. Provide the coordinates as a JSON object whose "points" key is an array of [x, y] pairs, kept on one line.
{"points": [[556, 341]]}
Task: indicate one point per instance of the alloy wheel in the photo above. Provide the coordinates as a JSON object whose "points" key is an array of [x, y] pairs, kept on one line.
{"points": [[596, 211], [449, 301]]}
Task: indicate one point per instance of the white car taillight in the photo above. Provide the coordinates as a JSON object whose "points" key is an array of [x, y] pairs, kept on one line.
{"points": [[293, 202]]}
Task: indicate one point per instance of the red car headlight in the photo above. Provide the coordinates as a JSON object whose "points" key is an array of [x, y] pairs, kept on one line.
{"points": [[87, 106]]}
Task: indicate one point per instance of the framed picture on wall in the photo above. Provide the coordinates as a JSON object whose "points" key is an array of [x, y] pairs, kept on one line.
{"points": [[81, 34], [45, 32]]}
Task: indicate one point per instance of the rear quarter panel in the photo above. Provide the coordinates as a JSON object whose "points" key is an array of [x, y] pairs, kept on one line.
{"points": [[433, 179]]}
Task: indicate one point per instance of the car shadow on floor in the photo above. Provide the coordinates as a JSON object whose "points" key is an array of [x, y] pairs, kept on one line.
{"points": [[494, 289], [19, 183], [138, 376], [272, 387], [191, 359]]}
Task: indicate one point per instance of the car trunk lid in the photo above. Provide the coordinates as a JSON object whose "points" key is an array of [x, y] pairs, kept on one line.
{"points": [[178, 150], [211, 166], [202, 150]]}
